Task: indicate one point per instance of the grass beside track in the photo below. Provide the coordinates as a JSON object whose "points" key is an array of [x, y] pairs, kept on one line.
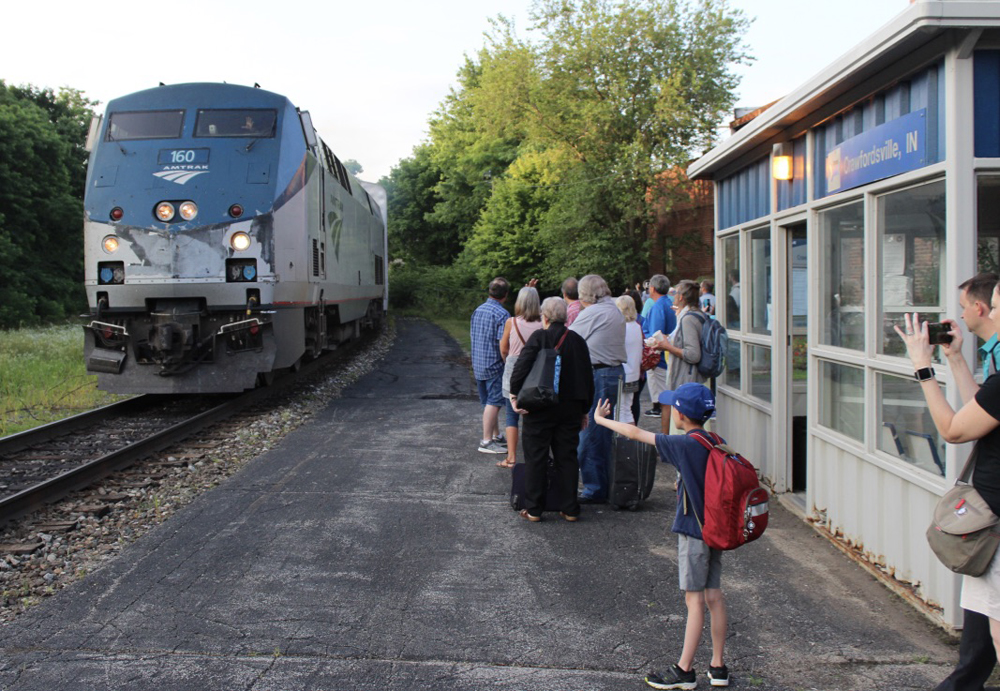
{"points": [[43, 377]]}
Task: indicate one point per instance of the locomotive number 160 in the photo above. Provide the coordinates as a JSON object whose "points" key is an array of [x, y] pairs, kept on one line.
{"points": [[182, 156]]}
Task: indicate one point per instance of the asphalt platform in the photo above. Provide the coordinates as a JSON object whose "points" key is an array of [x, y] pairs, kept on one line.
{"points": [[375, 548]]}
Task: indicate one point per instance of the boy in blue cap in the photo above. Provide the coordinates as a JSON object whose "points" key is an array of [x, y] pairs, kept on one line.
{"points": [[699, 566]]}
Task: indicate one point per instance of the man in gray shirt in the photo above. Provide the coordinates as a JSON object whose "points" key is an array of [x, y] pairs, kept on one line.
{"points": [[603, 328]]}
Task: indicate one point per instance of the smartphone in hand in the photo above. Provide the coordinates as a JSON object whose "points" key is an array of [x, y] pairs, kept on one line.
{"points": [[939, 333]]}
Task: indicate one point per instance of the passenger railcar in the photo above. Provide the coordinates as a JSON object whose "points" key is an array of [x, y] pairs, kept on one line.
{"points": [[223, 241]]}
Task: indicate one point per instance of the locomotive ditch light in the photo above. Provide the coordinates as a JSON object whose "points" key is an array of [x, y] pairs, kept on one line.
{"points": [[235, 210], [188, 210], [165, 211], [117, 213], [110, 244], [240, 241]]}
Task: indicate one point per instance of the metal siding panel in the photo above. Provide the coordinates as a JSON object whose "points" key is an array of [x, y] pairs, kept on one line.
{"points": [[892, 104], [919, 91], [884, 515], [724, 196], [751, 427], [764, 170], [935, 115], [799, 162], [986, 102], [819, 162]]}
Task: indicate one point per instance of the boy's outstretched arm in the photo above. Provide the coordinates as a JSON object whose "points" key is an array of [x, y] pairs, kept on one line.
{"points": [[601, 414]]}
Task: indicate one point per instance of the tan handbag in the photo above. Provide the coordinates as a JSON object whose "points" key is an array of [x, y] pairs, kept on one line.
{"points": [[964, 533]]}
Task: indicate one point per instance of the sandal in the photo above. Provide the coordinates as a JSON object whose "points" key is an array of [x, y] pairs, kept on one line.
{"points": [[523, 513], [506, 464]]}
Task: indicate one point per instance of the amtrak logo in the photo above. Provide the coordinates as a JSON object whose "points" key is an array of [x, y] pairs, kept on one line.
{"points": [[179, 176]]}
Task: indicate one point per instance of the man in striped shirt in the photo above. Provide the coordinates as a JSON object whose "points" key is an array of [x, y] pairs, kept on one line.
{"points": [[486, 330]]}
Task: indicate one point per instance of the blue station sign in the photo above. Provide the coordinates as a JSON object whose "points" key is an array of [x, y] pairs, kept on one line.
{"points": [[895, 147]]}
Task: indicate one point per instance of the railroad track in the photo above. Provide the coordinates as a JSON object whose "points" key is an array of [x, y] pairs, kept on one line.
{"points": [[42, 465]]}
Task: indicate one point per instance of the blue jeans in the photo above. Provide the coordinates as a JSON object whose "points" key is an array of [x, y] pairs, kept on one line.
{"points": [[594, 450]]}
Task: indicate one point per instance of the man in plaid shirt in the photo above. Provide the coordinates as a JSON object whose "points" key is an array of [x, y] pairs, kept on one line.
{"points": [[487, 364]]}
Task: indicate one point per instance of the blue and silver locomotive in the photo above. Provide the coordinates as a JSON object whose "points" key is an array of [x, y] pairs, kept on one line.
{"points": [[223, 241]]}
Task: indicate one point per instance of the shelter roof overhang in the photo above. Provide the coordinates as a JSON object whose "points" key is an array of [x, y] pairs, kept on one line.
{"points": [[919, 24]]}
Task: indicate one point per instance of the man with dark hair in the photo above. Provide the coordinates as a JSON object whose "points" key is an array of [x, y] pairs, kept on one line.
{"points": [[661, 318], [486, 330], [976, 654], [707, 299], [572, 297], [974, 298]]}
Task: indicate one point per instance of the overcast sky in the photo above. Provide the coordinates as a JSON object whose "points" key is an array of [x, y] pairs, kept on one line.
{"points": [[370, 73]]}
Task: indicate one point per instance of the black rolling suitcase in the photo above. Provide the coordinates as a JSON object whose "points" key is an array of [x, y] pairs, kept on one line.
{"points": [[552, 501], [632, 471]]}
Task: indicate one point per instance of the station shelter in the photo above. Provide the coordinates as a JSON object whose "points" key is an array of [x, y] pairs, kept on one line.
{"points": [[870, 191]]}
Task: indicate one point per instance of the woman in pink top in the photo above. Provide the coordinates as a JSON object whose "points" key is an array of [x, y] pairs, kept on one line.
{"points": [[526, 320]]}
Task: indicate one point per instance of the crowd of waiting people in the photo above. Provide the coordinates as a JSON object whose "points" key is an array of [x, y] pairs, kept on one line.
{"points": [[601, 341], [567, 447]]}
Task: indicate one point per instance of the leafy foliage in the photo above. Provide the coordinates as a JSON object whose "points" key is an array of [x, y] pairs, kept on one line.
{"points": [[545, 159], [42, 177]]}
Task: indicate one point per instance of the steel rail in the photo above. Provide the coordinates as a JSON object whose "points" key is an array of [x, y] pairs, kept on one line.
{"points": [[47, 432], [54, 489]]}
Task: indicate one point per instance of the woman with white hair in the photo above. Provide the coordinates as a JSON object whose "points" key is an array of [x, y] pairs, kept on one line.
{"points": [[633, 349], [554, 430]]}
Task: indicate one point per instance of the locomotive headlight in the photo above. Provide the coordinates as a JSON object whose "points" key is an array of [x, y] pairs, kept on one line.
{"points": [[110, 244], [188, 210], [165, 211], [240, 241]]}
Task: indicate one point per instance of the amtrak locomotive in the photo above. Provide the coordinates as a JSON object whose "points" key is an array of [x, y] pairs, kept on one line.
{"points": [[223, 241]]}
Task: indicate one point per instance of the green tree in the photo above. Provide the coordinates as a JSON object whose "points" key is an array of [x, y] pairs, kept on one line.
{"points": [[353, 167], [411, 189], [42, 175], [616, 91], [467, 156]]}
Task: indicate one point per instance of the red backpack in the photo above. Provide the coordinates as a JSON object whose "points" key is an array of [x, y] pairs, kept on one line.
{"points": [[735, 503]]}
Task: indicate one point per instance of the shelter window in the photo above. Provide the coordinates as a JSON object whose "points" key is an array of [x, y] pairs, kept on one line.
{"points": [[150, 124], [911, 237], [907, 429], [733, 300], [731, 377], [760, 372], [842, 288], [237, 122], [760, 274], [842, 399]]}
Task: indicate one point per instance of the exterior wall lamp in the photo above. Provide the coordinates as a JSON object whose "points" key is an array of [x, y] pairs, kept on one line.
{"points": [[781, 161]]}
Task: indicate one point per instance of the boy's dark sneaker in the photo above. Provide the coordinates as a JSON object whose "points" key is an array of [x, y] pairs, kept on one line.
{"points": [[652, 412], [673, 678], [718, 676]]}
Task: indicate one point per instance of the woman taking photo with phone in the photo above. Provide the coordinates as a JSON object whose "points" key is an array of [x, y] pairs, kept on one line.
{"points": [[977, 420]]}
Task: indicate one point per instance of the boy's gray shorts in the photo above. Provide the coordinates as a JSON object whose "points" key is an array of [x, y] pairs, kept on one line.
{"points": [[698, 565]]}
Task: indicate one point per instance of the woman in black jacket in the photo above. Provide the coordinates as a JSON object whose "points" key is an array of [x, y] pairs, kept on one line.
{"points": [[555, 429]]}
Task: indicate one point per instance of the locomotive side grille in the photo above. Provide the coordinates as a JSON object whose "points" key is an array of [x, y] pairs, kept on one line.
{"points": [[315, 257]]}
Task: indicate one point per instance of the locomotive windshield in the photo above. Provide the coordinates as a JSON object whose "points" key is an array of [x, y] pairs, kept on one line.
{"points": [[151, 124], [243, 122]]}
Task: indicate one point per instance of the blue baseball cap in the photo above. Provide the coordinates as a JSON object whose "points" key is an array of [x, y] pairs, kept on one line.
{"points": [[692, 400]]}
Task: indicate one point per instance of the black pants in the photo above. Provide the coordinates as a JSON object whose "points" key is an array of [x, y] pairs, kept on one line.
{"points": [[976, 656], [636, 399], [556, 431]]}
